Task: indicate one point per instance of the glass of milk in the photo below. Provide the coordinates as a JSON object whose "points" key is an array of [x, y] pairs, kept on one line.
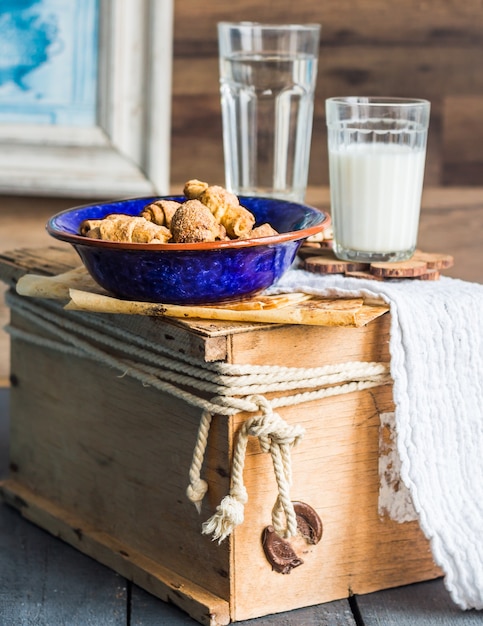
{"points": [[377, 152], [267, 81]]}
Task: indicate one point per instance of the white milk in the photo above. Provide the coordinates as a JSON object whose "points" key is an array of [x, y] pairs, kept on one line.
{"points": [[376, 196]]}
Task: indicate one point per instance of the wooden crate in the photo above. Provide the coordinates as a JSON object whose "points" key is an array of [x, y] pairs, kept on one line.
{"points": [[101, 461]]}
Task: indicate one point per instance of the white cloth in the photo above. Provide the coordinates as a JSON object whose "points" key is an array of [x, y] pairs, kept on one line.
{"points": [[436, 352]]}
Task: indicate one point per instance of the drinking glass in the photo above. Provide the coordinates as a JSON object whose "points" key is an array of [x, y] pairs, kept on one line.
{"points": [[267, 80], [377, 152]]}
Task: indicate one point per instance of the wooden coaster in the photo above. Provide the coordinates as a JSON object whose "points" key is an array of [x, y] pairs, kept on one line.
{"points": [[422, 265], [330, 264], [434, 261], [430, 275], [363, 274], [399, 269], [323, 248]]}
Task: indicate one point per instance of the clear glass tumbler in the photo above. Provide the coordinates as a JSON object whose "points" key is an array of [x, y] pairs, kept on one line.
{"points": [[377, 153], [267, 81]]}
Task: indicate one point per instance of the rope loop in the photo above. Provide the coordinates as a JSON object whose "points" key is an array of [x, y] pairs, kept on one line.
{"points": [[275, 437]]}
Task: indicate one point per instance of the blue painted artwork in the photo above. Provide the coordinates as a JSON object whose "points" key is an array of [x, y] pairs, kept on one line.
{"points": [[48, 61]]}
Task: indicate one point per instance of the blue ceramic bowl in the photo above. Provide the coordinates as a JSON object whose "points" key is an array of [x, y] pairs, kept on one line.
{"points": [[197, 273]]}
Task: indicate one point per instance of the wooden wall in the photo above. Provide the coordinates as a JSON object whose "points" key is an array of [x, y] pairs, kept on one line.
{"points": [[416, 48]]}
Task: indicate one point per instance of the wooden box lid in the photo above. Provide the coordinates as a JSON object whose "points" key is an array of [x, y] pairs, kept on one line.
{"points": [[234, 342]]}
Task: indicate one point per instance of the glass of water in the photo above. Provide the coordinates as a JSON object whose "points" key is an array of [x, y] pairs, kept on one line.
{"points": [[268, 74], [377, 150]]}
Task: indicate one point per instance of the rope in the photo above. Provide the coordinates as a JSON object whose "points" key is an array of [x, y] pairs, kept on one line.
{"points": [[234, 389], [275, 436]]}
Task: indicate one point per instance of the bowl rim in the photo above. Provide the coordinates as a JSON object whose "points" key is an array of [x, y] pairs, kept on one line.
{"points": [[293, 235]]}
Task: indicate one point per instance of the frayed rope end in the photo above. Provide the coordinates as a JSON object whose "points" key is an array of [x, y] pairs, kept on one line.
{"points": [[229, 514]]}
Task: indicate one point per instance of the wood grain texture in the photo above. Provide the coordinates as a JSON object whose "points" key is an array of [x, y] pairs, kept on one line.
{"points": [[103, 450], [335, 470], [336, 345], [145, 611], [430, 50], [423, 604], [49, 582], [106, 549], [78, 590], [427, 604], [462, 151], [81, 585]]}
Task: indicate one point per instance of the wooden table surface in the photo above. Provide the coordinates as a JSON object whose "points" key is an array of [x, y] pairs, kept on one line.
{"points": [[45, 582]]}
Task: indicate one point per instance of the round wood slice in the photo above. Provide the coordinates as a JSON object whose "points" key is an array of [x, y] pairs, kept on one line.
{"points": [[331, 265], [313, 249], [434, 261], [364, 274], [430, 275], [400, 269], [316, 249], [310, 245]]}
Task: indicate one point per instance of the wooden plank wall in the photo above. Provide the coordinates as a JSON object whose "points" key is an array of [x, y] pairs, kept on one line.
{"points": [[416, 48]]}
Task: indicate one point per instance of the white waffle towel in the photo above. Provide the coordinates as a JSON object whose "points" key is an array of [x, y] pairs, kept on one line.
{"points": [[437, 366]]}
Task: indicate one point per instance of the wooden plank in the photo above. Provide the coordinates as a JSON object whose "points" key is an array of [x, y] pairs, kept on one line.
{"points": [[95, 433], [360, 68], [44, 581], [145, 611], [22, 224], [207, 608], [462, 139], [343, 21], [44, 261], [144, 608], [462, 132], [23, 220], [78, 590], [425, 604], [336, 344], [452, 221]]}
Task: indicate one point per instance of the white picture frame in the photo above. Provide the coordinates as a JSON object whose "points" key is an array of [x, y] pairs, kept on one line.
{"points": [[127, 152]]}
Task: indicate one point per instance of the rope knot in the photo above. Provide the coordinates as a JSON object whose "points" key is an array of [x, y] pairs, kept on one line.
{"points": [[270, 428], [276, 437], [196, 491]]}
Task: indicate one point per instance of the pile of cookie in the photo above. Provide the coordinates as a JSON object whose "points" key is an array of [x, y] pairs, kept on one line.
{"points": [[207, 213]]}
